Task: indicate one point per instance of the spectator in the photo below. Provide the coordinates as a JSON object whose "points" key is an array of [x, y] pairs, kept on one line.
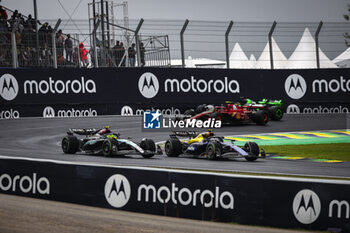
{"points": [[46, 56], [68, 44], [43, 33], [116, 54], [3, 14], [131, 54], [30, 22], [83, 54], [142, 55], [3, 20], [59, 43]]}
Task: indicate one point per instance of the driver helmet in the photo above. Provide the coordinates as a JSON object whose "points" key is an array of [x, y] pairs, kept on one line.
{"points": [[104, 131]]}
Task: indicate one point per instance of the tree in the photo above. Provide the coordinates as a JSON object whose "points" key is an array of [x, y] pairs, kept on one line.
{"points": [[347, 35]]}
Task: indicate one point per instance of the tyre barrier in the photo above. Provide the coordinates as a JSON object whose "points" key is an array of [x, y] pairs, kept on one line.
{"points": [[312, 204]]}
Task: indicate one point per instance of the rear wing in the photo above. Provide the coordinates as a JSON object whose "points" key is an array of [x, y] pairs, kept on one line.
{"points": [[82, 131], [190, 134]]}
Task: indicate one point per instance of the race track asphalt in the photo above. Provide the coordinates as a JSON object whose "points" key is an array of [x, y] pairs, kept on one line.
{"points": [[40, 138]]}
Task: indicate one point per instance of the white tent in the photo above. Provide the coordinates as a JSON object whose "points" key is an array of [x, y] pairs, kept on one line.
{"points": [[252, 59], [279, 60], [304, 56], [238, 59], [343, 60], [189, 63]]}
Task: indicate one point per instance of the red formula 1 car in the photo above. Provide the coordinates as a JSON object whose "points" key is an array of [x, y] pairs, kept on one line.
{"points": [[233, 114]]}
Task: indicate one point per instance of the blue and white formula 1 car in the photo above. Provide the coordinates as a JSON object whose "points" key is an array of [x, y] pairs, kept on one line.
{"points": [[210, 146]]}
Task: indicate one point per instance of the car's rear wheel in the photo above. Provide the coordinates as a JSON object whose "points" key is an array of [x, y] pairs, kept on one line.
{"points": [[173, 147], [217, 116], [200, 108], [275, 113], [213, 150], [70, 144], [253, 151], [189, 112], [107, 147], [150, 146], [261, 117]]}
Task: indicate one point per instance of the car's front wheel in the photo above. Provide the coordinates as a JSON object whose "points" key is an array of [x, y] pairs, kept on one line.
{"points": [[213, 150], [148, 145], [107, 147], [253, 151], [173, 147]]}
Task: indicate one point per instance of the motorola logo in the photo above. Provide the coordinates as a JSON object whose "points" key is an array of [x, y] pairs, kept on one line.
{"points": [[295, 86], [306, 206], [117, 191], [293, 109], [126, 111], [148, 85], [8, 87], [48, 112]]}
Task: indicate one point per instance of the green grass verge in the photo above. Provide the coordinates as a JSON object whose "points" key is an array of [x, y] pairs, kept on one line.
{"points": [[331, 151]]}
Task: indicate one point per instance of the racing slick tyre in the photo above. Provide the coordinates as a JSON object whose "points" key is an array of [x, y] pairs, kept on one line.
{"points": [[275, 113], [213, 150], [217, 116], [70, 144], [200, 108], [149, 145], [107, 146], [190, 112], [261, 117], [173, 147], [253, 151]]}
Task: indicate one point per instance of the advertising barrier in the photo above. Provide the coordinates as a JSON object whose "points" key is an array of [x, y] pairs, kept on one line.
{"points": [[30, 91], [266, 201]]}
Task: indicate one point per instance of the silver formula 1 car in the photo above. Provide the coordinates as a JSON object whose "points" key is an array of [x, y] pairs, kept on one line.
{"points": [[103, 141]]}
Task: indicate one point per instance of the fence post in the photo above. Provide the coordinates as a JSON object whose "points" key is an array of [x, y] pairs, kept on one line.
{"points": [[138, 42], [53, 36], [94, 42], [78, 52], [316, 40], [270, 43], [14, 44], [182, 42], [227, 45]]}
